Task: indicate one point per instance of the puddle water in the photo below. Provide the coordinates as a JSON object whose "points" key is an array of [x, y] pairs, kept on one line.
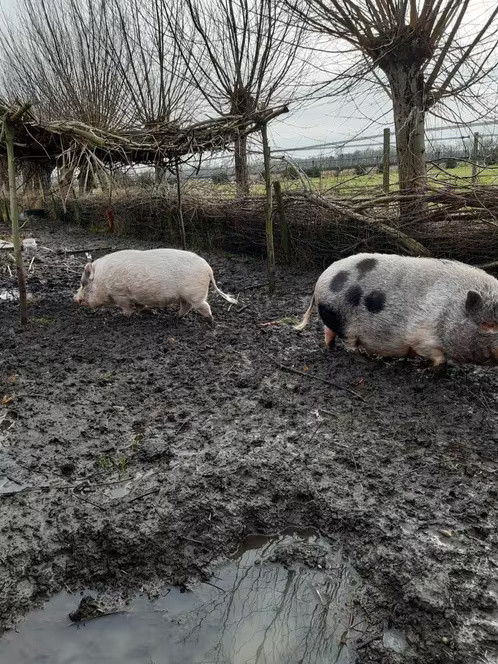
{"points": [[394, 639], [11, 295], [252, 611]]}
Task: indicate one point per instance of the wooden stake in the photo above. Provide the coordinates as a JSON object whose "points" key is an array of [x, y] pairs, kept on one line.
{"points": [[285, 242], [270, 249], [475, 157], [180, 210], [14, 216], [386, 159]]}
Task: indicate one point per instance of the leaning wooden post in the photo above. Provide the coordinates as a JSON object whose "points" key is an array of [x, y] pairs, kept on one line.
{"points": [[180, 208], [270, 249], [386, 159], [8, 128], [282, 222], [475, 156]]}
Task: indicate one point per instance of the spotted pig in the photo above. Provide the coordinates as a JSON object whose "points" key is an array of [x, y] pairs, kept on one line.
{"points": [[395, 306], [133, 279]]}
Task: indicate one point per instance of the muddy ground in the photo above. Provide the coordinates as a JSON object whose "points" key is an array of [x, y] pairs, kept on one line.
{"points": [[147, 448]]}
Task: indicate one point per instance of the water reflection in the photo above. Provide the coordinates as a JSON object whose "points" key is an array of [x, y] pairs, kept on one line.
{"points": [[252, 611]]}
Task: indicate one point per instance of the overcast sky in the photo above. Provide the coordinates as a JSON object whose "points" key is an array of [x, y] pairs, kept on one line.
{"points": [[328, 120]]}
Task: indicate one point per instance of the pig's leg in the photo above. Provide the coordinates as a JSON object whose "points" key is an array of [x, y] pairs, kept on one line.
{"points": [[185, 307], [205, 310], [352, 343], [329, 337], [124, 304], [432, 353]]}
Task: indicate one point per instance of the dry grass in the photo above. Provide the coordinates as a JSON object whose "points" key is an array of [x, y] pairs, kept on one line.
{"points": [[459, 223]]}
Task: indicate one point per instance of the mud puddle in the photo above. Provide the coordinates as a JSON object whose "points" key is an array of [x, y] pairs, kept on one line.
{"points": [[265, 605], [12, 295]]}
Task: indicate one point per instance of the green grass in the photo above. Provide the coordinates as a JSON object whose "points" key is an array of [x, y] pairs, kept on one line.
{"points": [[347, 184]]}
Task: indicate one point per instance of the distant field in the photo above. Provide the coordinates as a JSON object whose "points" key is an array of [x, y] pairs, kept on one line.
{"points": [[349, 184]]}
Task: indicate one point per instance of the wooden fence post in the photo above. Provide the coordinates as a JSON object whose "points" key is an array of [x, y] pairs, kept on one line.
{"points": [[282, 222], [270, 249], [8, 128], [475, 157], [180, 207], [386, 159]]}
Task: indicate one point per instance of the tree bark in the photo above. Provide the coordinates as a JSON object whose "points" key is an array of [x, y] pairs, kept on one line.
{"points": [[407, 89], [86, 180], [159, 175], [241, 169], [270, 248], [14, 215], [36, 176]]}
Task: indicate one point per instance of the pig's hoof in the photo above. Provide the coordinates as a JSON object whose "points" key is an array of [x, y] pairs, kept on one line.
{"points": [[441, 370]]}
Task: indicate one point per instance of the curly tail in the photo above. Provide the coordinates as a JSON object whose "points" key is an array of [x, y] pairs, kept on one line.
{"points": [[229, 298], [307, 316]]}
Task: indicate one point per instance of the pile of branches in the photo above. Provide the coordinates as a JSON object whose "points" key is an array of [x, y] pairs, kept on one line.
{"points": [[451, 222], [448, 221], [161, 144]]}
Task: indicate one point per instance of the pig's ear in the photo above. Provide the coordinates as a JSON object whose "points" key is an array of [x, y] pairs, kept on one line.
{"points": [[88, 274], [489, 327], [89, 271], [473, 303]]}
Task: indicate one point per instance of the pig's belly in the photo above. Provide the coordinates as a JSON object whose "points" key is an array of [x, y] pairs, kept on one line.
{"points": [[151, 299], [384, 345]]}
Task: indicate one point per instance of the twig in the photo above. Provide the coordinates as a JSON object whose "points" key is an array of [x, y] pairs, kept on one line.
{"points": [[144, 495], [283, 367], [243, 308], [195, 541], [83, 251], [85, 500], [367, 643], [488, 266], [314, 433], [254, 286]]}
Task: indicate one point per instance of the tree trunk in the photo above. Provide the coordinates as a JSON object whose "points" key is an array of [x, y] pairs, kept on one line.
{"points": [[4, 188], [36, 177], [241, 170], [46, 170], [14, 215], [86, 180], [407, 89], [270, 249], [159, 175]]}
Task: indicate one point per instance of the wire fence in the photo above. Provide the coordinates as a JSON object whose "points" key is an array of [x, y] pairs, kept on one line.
{"points": [[454, 153]]}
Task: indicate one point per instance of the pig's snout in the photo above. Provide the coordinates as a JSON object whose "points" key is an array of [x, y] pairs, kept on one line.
{"points": [[79, 299]]}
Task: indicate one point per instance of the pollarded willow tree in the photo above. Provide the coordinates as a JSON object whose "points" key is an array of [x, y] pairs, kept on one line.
{"points": [[61, 55], [242, 55], [155, 73], [421, 52]]}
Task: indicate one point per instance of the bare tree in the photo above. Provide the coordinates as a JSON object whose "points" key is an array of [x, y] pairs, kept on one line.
{"points": [[421, 52], [61, 54], [153, 71], [244, 56]]}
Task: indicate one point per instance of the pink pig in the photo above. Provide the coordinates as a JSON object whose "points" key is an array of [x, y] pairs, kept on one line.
{"points": [[133, 279]]}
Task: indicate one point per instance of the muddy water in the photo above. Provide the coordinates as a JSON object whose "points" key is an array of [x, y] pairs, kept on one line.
{"points": [[253, 610]]}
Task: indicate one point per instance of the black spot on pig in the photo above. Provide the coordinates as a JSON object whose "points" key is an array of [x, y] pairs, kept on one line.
{"points": [[375, 301], [338, 281], [332, 319], [365, 266], [353, 295]]}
